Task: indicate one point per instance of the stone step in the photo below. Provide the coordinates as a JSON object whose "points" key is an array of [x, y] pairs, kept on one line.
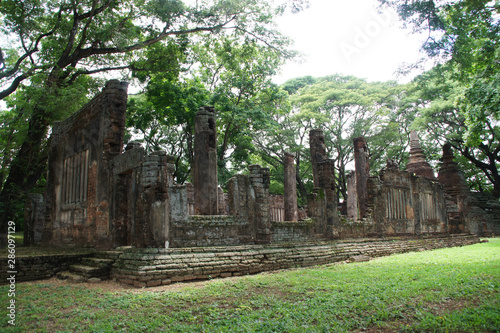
{"points": [[71, 277], [98, 262], [107, 254], [89, 271]]}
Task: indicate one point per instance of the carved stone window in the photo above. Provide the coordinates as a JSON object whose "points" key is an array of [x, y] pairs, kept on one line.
{"points": [[75, 178], [397, 201]]}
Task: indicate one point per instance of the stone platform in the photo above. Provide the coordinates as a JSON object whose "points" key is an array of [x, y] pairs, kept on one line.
{"points": [[154, 267]]}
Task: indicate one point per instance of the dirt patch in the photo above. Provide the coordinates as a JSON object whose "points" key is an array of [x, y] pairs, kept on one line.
{"points": [[112, 286]]}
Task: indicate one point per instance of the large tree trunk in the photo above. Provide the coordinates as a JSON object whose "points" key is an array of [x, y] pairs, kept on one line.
{"points": [[26, 168]]}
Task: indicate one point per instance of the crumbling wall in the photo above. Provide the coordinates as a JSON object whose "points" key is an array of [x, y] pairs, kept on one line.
{"points": [[482, 214], [213, 230], [405, 204], [292, 231], [478, 213], [77, 197], [322, 203]]}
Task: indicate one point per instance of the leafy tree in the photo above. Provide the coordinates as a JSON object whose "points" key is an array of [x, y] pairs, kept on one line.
{"points": [[346, 107], [464, 37], [443, 117], [285, 132], [238, 74], [50, 45], [163, 118]]}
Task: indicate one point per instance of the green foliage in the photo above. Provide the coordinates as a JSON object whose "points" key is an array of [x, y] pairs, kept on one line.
{"points": [[163, 118], [48, 50], [447, 290], [347, 107], [443, 115], [464, 37]]}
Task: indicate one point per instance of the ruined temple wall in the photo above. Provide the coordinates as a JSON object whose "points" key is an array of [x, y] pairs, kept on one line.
{"points": [[214, 230], [482, 214], [429, 206], [152, 208], [349, 228], [292, 231], [468, 211], [404, 204], [77, 197]]}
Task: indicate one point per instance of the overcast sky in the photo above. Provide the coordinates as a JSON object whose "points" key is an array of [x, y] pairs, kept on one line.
{"points": [[348, 37]]}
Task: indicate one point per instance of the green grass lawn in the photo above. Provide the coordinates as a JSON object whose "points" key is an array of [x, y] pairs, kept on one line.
{"points": [[448, 290]]}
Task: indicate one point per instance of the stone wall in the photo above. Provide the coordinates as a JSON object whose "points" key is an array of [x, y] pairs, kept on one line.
{"points": [[210, 230], [350, 228], [77, 197], [404, 204], [468, 211], [39, 267], [154, 267], [482, 216], [292, 231]]}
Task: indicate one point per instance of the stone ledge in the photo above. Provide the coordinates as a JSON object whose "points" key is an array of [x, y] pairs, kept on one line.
{"points": [[32, 267], [177, 265]]}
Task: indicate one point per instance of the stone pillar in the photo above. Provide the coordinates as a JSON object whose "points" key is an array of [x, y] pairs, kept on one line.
{"points": [[352, 197], [116, 103], [259, 179], [361, 163], [318, 152], [240, 202], [326, 171], [222, 201], [417, 163], [290, 192], [205, 163]]}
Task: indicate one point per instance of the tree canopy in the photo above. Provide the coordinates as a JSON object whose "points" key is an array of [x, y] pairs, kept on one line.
{"points": [[51, 51], [463, 89], [186, 54]]}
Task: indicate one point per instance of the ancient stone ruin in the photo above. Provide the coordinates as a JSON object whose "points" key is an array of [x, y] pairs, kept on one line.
{"points": [[103, 195]]}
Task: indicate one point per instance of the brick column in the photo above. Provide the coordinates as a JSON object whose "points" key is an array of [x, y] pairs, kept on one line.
{"points": [[259, 179], [205, 163], [326, 170], [290, 193], [362, 166], [318, 152], [352, 199]]}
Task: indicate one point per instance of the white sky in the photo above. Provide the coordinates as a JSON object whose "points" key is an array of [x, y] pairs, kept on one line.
{"points": [[348, 37]]}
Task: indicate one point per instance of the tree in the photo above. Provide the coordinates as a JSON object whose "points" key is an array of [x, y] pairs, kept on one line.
{"points": [[238, 74], [55, 43], [346, 107], [163, 118], [285, 132], [443, 117], [464, 38]]}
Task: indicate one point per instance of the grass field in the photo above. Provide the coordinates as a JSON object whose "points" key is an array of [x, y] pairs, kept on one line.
{"points": [[448, 290]]}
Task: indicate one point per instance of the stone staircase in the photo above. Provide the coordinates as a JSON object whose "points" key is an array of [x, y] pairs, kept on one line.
{"points": [[93, 269]]}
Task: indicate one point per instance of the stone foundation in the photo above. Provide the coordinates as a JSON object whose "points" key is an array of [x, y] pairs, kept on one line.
{"points": [[154, 267], [39, 267]]}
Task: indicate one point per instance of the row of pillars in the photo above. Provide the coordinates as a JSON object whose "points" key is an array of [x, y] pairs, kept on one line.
{"points": [[204, 170]]}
